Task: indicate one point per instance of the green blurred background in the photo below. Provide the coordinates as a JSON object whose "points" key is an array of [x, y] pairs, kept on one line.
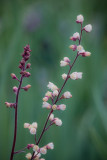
{"points": [[46, 26]]}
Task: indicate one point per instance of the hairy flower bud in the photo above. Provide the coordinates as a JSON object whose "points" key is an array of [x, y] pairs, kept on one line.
{"points": [[28, 66], [52, 86], [50, 146], [63, 63], [76, 36], [64, 76], [51, 117], [26, 125], [34, 124], [66, 59], [46, 105], [58, 122], [55, 93], [80, 19], [73, 47], [15, 89], [28, 155], [26, 87], [61, 107], [76, 75], [88, 28], [67, 95], [43, 150], [33, 130], [13, 76]]}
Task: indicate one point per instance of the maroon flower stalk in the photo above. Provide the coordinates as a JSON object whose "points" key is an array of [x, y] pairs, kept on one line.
{"points": [[24, 73]]}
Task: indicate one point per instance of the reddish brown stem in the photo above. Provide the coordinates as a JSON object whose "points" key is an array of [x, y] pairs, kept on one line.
{"points": [[15, 125]]}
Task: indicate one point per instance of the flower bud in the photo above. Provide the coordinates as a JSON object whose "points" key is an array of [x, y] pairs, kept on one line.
{"points": [[25, 74], [54, 107], [67, 95], [73, 47], [15, 89], [26, 125], [13, 76], [55, 93], [51, 117], [75, 36], [49, 94], [35, 125], [66, 59], [28, 66], [58, 122], [27, 87], [9, 105], [50, 146], [80, 19], [63, 63], [28, 156], [43, 150], [33, 130], [76, 75], [46, 105], [88, 28], [30, 146], [64, 76], [80, 48], [85, 54], [45, 99], [35, 148], [61, 107], [52, 86]]}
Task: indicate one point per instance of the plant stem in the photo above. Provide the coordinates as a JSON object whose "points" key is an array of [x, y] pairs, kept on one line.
{"points": [[15, 124]]}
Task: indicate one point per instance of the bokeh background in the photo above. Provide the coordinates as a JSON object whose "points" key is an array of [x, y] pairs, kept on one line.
{"points": [[46, 26]]}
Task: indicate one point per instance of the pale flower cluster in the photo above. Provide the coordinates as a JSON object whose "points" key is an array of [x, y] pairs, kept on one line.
{"points": [[32, 127], [40, 151]]}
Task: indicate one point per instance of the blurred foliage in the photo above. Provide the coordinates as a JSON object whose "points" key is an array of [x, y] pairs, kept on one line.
{"points": [[47, 26]]}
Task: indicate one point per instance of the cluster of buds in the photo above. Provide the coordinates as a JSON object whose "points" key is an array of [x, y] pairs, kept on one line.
{"points": [[74, 75], [32, 127], [23, 66], [77, 36], [40, 151], [55, 120]]}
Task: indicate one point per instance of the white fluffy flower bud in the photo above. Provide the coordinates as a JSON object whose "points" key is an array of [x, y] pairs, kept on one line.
{"points": [[64, 76], [34, 124], [80, 19], [61, 107], [88, 28], [33, 130], [58, 122], [46, 105], [63, 63], [43, 150], [67, 94], [28, 155], [50, 146], [26, 125], [51, 117], [55, 93], [76, 75], [52, 86]]}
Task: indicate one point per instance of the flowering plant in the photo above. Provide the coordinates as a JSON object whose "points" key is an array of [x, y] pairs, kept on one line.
{"points": [[55, 95]]}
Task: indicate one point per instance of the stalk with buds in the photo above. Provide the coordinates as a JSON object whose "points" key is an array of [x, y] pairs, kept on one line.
{"points": [[54, 95]]}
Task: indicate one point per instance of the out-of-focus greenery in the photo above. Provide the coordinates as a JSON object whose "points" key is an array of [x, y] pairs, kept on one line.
{"points": [[46, 26]]}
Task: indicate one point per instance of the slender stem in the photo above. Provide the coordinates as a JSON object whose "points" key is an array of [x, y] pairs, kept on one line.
{"points": [[42, 132], [66, 78], [15, 125], [19, 151]]}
